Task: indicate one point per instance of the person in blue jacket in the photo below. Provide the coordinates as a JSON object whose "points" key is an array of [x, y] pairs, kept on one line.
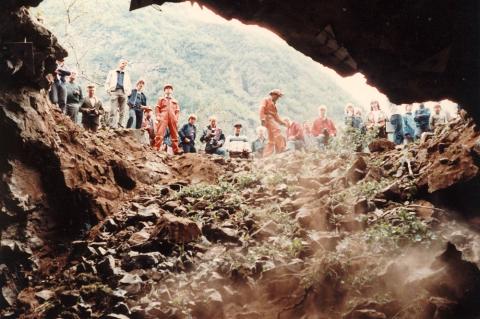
{"points": [[396, 120], [187, 135], [422, 119], [409, 124], [137, 101]]}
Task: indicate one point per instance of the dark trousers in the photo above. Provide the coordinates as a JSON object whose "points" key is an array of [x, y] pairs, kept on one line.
{"points": [[72, 111], [135, 118], [91, 125], [58, 94], [62, 95], [189, 148]]}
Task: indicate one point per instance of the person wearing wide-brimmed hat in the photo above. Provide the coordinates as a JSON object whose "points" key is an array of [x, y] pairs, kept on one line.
{"points": [[269, 118], [187, 134], [167, 112]]}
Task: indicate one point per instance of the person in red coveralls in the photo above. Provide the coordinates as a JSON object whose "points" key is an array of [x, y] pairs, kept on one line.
{"points": [[269, 118], [323, 128], [166, 114], [295, 136]]}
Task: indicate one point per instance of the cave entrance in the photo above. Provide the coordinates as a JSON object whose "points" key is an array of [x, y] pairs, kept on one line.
{"points": [[217, 66]]}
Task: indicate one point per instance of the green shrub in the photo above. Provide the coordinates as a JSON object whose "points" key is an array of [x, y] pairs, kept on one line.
{"points": [[401, 229]]}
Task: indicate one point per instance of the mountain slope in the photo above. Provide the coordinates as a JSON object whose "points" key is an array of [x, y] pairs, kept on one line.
{"points": [[216, 66]]}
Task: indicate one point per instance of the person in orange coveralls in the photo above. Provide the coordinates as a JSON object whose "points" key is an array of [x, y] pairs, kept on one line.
{"points": [[166, 115], [269, 118], [323, 128]]}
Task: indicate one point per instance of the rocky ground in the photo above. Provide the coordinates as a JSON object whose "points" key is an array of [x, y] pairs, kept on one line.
{"points": [[337, 234], [97, 226]]}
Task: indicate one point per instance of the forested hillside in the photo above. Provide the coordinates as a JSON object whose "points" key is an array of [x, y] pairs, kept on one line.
{"points": [[216, 66]]}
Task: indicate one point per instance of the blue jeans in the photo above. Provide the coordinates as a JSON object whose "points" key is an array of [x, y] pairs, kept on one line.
{"points": [[218, 151]]}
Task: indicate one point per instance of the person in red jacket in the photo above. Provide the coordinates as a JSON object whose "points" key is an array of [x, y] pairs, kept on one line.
{"points": [[323, 128], [295, 136], [166, 114], [269, 118]]}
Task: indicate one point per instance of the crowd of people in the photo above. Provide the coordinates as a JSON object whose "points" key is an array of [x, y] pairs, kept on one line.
{"points": [[128, 108]]}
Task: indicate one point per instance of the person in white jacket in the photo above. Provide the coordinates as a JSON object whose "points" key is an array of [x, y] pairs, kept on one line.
{"points": [[118, 85], [237, 145]]}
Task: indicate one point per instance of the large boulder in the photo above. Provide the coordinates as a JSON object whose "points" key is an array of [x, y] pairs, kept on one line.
{"points": [[175, 229]]}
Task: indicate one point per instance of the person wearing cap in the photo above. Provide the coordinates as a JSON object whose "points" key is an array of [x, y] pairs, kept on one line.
{"points": [[137, 101], [259, 144], [91, 110], [74, 97], [167, 112], [237, 145], [213, 138], [148, 124], [323, 128], [118, 85], [59, 90], [295, 136], [187, 134], [269, 118]]}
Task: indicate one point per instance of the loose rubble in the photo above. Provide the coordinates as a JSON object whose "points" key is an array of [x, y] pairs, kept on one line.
{"points": [[299, 235]]}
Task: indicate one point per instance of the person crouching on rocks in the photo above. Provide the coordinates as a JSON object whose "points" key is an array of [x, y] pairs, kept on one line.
{"points": [[187, 134], [237, 145], [91, 110], [295, 137], [214, 138], [323, 128], [422, 120]]}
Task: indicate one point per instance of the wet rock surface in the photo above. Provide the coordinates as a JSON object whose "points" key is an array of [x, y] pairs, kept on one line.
{"points": [[312, 235]]}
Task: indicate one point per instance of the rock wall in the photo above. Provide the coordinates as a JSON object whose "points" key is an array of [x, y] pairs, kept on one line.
{"points": [[413, 50]]}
